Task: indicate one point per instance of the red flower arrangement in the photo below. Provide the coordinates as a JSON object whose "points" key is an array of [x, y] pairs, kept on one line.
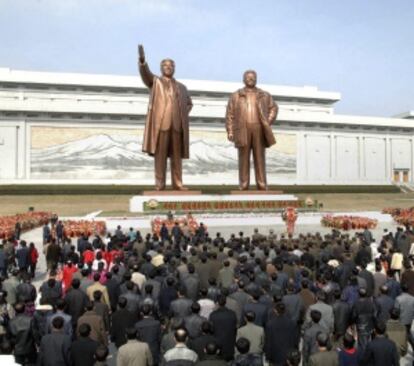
{"points": [[185, 222], [346, 222], [403, 216], [28, 221], [75, 228]]}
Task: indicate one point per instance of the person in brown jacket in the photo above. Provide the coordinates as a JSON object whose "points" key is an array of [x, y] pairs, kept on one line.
{"points": [[397, 332], [96, 323], [97, 286], [325, 356], [134, 352]]}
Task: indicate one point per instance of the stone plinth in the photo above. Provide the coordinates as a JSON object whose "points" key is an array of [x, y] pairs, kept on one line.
{"points": [[183, 203], [255, 192]]}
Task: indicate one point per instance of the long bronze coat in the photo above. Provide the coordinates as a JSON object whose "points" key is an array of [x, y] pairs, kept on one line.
{"points": [[156, 108], [237, 112]]}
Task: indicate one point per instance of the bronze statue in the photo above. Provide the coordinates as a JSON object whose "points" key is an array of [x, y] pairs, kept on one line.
{"points": [[250, 113], [166, 132]]}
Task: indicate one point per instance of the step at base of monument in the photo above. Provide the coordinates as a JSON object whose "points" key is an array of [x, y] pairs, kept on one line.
{"points": [[254, 192], [172, 193]]}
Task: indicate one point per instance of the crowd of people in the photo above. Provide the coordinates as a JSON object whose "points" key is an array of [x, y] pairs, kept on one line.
{"points": [[195, 299]]}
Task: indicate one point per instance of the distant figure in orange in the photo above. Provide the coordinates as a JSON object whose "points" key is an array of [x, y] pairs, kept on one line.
{"points": [[290, 216]]}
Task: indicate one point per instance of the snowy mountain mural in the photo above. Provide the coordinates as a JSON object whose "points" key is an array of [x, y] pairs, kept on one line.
{"points": [[117, 156]]}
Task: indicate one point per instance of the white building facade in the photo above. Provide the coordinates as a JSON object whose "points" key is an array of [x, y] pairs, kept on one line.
{"points": [[83, 128]]}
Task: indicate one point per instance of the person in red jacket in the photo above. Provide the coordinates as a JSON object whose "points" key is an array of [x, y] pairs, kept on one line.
{"points": [[88, 255], [68, 270], [33, 258]]}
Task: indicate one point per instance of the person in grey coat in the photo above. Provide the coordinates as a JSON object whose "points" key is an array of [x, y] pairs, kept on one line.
{"points": [[55, 348], [384, 304], [405, 303], [309, 337], [191, 283], [327, 320], [294, 304]]}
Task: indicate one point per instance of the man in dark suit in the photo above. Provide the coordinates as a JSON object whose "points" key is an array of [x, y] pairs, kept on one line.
{"points": [[384, 304], [22, 336], [149, 331], [55, 347], [121, 320], [225, 328], [83, 349], [22, 256], [281, 336], [76, 301], [381, 351], [113, 288]]}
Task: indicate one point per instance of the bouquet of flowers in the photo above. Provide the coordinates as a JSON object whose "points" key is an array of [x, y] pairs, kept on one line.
{"points": [[346, 222], [27, 221], [75, 228], [403, 216]]}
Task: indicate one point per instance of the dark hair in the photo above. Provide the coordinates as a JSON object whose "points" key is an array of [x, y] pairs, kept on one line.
{"points": [[211, 348], [75, 283], [170, 281], [207, 327], [395, 313], [60, 304], [101, 353], [221, 300], [191, 268], [131, 333], [51, 282], [243, 345], [322, 339], [97, 295], [316, 316], [146, 309], [380, 327], [122, 302], [148, 288], [96, 277], [195, 307], [58, 322], [250, 316], [349, 341], [84, 330]]}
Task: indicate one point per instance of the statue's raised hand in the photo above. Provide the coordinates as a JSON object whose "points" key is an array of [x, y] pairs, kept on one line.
{"points": [[141, 53]]}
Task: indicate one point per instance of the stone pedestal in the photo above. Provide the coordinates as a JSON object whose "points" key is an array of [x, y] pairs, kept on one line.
{"points": [[212, 203], [255, 192], [171, 193]]}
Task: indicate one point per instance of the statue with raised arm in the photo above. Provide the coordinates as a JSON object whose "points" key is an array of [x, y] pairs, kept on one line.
{"points": [[250, 114], [166, 132]]}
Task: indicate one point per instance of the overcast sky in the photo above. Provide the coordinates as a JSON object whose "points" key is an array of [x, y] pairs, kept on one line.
{"points": [[363, 49]]}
